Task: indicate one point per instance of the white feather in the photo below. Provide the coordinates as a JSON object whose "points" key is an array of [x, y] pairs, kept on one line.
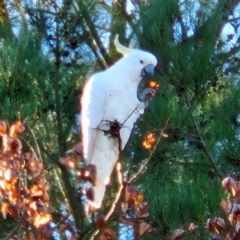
{"points": [[108, 96]]}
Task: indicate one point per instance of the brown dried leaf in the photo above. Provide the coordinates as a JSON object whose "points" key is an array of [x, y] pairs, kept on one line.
{"points": [[89, 173], [233, 234], [34, 167], [149, 140], [16, 128], [232, 186], [211, 224], [235, 221], [141, 228], [226, 182], [235, 213], [7, 174], [4, 209], [78, 149], [3, 127], [14, 185], [178, 234], [29, 236], [227, 205], [228, 236], [45, 231], [142, 215], [143, 206], [69, 161], [192, 227], [216, 237], [41, 219], [220, 225], [100, 221], [124, 207], [131, 194], [145, 228], [139, 198], [129, 197], [90, 194], [216, 225], [16, 145], [13, 211], [7, 143], [109, 234]]}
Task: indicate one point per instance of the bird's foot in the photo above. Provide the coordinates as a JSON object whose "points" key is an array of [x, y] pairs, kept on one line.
{"points": [[146, 95], [114, 129]]}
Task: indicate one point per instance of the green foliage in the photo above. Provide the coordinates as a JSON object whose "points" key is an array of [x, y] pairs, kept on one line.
{"points": [[22, 68], [182, 194], [43, 68], [202, 103]]}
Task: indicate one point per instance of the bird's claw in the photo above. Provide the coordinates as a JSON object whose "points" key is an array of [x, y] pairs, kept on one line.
{"points": [[146, 95]]}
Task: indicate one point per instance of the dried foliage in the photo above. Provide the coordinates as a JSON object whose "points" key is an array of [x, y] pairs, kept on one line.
{"points": [[23, 186], [149, 141], [217, 226], [135, 211]]}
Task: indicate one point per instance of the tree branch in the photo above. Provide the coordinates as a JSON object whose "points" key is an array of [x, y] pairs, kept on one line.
{"points": [[173, 160], [233, 19], [227, 7], [204, 147], [94, 49], [5, 22], [91, 28], [105, 6], [88, 39], [76, 208], [140, 170], [234, 50]]}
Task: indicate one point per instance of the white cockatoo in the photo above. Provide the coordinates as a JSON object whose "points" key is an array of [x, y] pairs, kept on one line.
{"points": [[111, 96]]}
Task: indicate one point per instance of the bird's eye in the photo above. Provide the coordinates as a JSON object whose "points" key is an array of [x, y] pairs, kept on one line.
{"points": [[141, 61]]}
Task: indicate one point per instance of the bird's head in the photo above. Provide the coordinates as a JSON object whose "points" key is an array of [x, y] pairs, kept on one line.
{"points": [[140, 62]]}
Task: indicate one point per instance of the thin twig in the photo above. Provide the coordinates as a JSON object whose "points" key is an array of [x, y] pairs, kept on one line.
{"points": [[120, 179], [140, 170], [204, 147], [36, 143], [173, 160]]}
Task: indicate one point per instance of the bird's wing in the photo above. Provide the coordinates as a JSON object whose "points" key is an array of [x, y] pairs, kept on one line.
{"points": [[93, 102]]}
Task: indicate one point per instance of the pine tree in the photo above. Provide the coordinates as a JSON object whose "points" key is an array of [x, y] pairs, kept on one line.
{"points": [[47, 53]]}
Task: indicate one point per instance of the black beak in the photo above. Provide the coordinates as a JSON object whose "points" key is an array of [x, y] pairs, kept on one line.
{"points": [[148, 70]]}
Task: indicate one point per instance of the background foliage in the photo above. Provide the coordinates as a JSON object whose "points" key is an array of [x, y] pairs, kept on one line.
{"points": [[49, 48]]}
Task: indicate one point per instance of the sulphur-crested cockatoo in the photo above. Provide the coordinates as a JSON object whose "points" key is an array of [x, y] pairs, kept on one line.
{"points": [[111, 96]]}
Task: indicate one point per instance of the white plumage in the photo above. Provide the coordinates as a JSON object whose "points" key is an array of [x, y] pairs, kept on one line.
{"points": [[108, 96]]}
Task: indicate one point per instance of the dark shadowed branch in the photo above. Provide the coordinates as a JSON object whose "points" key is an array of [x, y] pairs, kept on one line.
{"points": [[202, 142]]}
